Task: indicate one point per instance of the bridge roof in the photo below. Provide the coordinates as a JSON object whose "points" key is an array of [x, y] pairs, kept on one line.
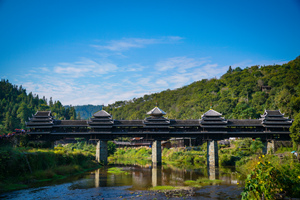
{"points": [[70, 123], [273, 113], [42, 114], [190, 122], [128, 123], [212, 113], [156, 112], [244, 122], [102, 113]]}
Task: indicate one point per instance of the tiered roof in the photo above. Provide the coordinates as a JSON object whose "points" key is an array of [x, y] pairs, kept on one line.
{"points": [[274, 118], [213, 119], [156, 112], [41, 119], [101, 119], [72, 123], [156, 119]]}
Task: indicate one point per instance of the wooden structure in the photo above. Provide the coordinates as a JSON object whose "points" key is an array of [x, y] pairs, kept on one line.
{"points": [[211, 127]]}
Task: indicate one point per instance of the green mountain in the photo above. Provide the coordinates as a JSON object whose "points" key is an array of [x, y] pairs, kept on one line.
{"points": [[16, 106], [239, 94]]}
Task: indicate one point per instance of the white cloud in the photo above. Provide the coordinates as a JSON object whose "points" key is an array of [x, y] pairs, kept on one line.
{"points": [[128, 43], [134, 68], [180, 71], [180, 63], [84, 67], [77, 83]]}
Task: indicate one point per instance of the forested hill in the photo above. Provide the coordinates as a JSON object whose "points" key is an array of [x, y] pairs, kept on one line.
{"points": [[240, 94], [16, 106]]}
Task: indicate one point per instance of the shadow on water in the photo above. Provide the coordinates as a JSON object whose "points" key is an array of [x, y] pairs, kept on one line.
{"points": [[134, 179]]}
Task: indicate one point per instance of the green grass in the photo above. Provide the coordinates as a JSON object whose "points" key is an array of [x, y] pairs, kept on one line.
{"points": [[165, 188], [202, 182], [116, 170], [20, 167]]}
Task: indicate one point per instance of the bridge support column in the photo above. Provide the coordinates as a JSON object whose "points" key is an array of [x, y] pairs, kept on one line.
{"points": [[102, 151], [213, 173], [212, 154], [52, 144], [156, 153], [156, 176], [270, 147]]}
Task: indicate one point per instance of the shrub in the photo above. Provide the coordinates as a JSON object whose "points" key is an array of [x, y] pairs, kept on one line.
{"points": [[267, 181]]}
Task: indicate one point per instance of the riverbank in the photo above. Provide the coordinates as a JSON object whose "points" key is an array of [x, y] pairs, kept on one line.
{"points": [[22, 167], [134, 182], [270, 176]]}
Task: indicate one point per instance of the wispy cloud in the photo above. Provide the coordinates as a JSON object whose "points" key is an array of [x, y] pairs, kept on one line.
{"points": [[180, 63], [179, 71], [84, 67], [133, 68], [77, 83], [128, 43]]}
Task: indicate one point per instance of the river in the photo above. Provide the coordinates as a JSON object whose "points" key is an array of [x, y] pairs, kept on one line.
{"points": [[135, 183]]}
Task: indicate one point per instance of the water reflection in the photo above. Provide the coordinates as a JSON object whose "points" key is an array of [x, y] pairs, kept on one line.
{"points": [[213, 173], [141, 178], [156, 176], [100, 183], [100, 178]]}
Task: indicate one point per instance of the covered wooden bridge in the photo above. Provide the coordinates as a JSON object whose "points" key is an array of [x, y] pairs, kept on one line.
{"points": [[211, 127]]}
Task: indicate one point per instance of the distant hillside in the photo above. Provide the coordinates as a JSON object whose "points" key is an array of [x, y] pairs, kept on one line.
{"points": [[16, 106], [86, 111], [239, 94]]}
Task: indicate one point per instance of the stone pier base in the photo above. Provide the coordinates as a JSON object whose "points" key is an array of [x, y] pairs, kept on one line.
{"points": [[156, 153], [102, 152], [270, 147], [212, 154], [213, 173], [156, 176]]}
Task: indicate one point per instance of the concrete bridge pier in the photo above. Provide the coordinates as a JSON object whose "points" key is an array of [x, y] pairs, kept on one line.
{"points": [[156, 176], [212, 154], [213, 173], [100, 179], [269, 147], [156, 153], [102, 152]]}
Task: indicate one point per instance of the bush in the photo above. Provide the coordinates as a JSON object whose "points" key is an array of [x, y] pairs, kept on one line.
{"points": [[228, 160], [270, 179], [111, 147]]}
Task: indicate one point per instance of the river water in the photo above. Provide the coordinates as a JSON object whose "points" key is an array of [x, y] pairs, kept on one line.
{"points": [[135, 183]]}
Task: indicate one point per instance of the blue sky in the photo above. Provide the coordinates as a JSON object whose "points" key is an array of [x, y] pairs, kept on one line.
{"points": [[99, 52]]}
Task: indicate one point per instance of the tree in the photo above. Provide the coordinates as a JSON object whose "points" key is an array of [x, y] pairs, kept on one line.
{"points": [[229, 71], [23, 113], [111, 147], [295, 131], [51, 102], [257, 145], [8, 122]]}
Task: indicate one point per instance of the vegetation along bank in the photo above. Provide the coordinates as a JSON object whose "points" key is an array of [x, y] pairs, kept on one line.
{"points": [[272, 176], [21, 167]]}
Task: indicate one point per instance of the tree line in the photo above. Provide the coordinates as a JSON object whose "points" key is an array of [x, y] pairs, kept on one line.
{"points": [[16, 106], [238, 94]]}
